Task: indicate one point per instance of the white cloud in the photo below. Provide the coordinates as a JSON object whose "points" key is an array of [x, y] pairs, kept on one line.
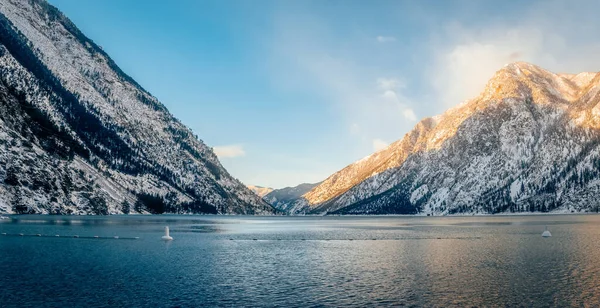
{"points": [[229, 151], [551, 34], [463, 69], [385, 39], [409, 114], [390, 84], [379, 145], [392, 95]]}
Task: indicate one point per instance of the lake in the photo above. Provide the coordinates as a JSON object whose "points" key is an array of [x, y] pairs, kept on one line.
{"points": [[237, 261]]}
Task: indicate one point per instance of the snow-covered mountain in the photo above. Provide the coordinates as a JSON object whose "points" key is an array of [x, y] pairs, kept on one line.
{"points": [[77, 135], [528, 142], [289, 200], [260, 190]]}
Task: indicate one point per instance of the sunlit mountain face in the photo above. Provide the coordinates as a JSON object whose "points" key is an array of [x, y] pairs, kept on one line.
{"points": [[259, 190], [528, 142]]}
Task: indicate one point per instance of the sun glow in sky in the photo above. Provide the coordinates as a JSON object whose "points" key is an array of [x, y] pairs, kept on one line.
{"points": [[291, 91]]}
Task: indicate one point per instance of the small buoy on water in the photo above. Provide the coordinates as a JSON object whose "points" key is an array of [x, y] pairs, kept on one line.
{"points": [[167, 237], [546, 233]]}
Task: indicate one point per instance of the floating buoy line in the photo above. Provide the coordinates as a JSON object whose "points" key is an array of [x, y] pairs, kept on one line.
{"points": [[166, 237], [351, 239], [116, 237]]}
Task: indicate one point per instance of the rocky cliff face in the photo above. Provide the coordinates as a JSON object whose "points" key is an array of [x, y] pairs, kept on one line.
{"points": [[77, 135], [529, 142]]}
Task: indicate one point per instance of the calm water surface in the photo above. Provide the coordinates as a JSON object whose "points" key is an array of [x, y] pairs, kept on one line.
{"points": [[301, 261]]}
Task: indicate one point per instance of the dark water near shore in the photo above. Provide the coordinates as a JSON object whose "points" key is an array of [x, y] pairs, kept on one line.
{"points": [[301, 261]]}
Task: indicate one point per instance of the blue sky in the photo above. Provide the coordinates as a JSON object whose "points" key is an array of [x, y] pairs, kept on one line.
{"points": [[291, 91]]}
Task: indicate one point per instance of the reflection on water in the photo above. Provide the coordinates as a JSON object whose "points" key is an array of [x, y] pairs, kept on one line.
{"points": [[301, 261]]}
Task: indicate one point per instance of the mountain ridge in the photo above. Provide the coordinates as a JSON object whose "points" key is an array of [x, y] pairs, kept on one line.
{"points": [[288, 200], [502, 127]]}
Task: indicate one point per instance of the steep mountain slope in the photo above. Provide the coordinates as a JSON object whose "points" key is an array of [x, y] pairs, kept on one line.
{"points": [[390, 157], [77, 135], [529, 142], [289, 199], [259, 190]]}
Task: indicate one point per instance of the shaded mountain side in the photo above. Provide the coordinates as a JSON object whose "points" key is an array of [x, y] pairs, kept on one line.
{"points": [[289, 199], [84, 132]]}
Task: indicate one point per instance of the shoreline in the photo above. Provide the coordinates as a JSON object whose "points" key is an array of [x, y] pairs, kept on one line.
{"points": [[6, 216]]}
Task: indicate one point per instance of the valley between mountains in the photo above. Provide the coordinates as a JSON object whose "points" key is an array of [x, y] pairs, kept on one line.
{"points": [[79, 136]]}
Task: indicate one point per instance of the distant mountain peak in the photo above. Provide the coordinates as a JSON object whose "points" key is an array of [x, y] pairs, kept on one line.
{"points": [[289, 199], [260, 190], [522, 79]]}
